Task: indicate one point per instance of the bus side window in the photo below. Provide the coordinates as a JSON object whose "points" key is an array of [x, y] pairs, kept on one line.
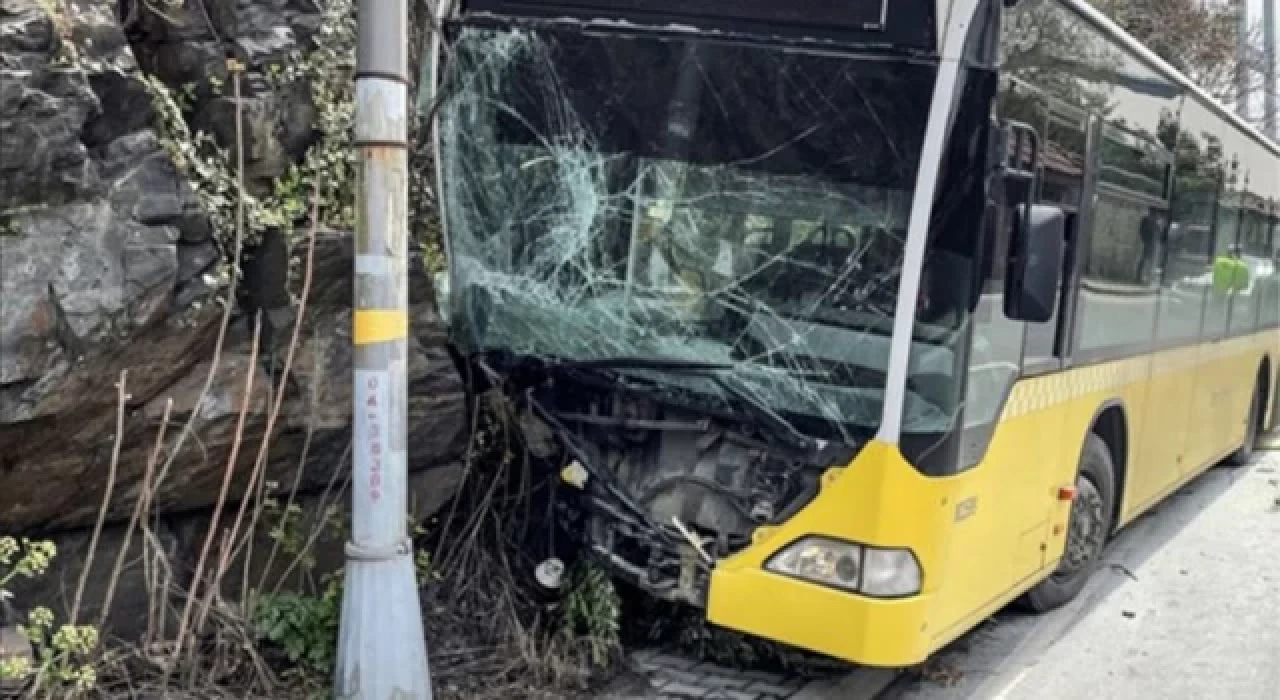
{"points": [[1062, 184], [997, 340]]}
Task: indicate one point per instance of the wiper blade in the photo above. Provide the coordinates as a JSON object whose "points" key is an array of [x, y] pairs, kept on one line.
{"points": [[764, 411], [658, 363]]}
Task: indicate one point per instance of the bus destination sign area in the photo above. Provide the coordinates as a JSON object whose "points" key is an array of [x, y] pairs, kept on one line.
{"points": [[855, 21]]}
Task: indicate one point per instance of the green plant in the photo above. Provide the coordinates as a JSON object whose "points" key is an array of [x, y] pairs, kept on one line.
{"points": [[25, 558], [304, 626], [329, 167], [63, 655], [283, 527], [326, 70], [206, 166], [592, 609]]}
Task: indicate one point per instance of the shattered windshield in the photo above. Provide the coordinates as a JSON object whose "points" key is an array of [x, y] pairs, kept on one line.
{"points": [[612, 196]]}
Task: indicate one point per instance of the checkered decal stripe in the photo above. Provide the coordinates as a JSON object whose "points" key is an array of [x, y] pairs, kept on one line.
{"points": [[1040, 393]]}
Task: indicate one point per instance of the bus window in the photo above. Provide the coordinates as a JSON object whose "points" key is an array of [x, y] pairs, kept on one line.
{"points": [[1248, 265], [1269, 280], [1119, 294], [996, 353], [1190, 235], [1062, 163], [1224, 261], [1062, 183]]}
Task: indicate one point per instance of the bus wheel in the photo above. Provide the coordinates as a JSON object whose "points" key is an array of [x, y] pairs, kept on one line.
{"points": [[1087, 530], [1244, 455]]}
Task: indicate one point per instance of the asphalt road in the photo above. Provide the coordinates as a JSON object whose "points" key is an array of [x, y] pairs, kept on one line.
{"points": [[1187, 605]]}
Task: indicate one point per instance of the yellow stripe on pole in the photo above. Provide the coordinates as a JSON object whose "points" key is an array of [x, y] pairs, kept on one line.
{"points": [[379, 326]]}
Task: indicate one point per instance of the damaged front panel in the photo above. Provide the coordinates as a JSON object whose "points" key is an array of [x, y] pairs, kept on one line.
{"points": [[686, 254], [679, 487]]}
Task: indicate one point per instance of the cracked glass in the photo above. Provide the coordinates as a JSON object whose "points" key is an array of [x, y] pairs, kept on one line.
{"points": [[610, 196]]}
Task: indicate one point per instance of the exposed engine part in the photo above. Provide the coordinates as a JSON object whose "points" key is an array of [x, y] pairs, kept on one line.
{"points": [[538, 437], [673, 490], [550, 575]]}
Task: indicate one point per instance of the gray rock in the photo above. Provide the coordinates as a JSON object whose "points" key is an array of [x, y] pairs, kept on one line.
{"points": [[74, 273], [104, 255], [190, 45], [146, 187], [41, 117], [88, 284], [196, 259], [267, 45], [25, 32], [150, 272], [265, 157], [28, 317], [61, 470]]}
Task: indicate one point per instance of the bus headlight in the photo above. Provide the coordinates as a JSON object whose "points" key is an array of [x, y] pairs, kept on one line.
{"points": [[870, 571]]}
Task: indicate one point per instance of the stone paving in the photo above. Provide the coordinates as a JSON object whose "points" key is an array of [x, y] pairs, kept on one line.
{"points": [[661, 676]]}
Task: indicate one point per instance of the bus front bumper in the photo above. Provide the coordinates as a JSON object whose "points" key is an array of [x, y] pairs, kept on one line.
{"points": [[877, 501], [870, 632]]}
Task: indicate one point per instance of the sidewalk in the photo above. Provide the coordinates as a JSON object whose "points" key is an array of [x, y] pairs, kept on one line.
{"points": [[1187, 605], [1201, 620]]}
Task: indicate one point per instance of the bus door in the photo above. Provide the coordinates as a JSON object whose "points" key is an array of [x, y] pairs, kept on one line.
{"points": [[1062, 181], [1013, 529]]}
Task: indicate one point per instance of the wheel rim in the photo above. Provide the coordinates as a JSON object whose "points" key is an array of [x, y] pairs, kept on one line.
{"points": [[1086, 531]]}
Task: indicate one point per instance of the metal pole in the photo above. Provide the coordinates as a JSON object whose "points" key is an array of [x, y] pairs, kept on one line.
{"points": [[1269, 39], [382, 651], [1242, 61]]}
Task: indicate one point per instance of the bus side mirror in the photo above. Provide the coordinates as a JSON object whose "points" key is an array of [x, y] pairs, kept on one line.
{"points": [[1035, 263]]}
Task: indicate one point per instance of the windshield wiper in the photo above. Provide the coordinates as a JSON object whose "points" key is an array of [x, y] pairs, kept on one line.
{"points": [[763, 411], [658, 363]]}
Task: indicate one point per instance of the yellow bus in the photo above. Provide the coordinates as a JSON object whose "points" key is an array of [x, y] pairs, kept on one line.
{"points": [[852, 323]]}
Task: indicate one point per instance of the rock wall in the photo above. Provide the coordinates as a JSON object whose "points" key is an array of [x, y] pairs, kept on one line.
{"points": [[106, 262]]}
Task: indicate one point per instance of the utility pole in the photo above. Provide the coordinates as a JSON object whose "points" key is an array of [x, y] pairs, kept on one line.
{"points": [[1269, 93], [382, 651], [1243, 93]]}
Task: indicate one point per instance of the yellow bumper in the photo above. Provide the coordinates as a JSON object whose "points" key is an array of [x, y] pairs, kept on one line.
{"points": [[877, 500], [869, 632]]}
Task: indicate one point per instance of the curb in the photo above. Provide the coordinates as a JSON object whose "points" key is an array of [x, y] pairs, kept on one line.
{"points": [[1270, 443], [655, 675], [861, 684], [1119, 290]]}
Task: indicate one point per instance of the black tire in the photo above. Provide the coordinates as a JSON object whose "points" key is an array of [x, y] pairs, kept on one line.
{"points": [[1275, 407], [1252, 431], [1089, 528]]}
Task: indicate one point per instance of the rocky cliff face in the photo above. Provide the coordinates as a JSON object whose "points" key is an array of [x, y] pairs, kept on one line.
{"points": [[108, 262]]}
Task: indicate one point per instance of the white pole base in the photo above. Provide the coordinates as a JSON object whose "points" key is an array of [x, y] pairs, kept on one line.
{"points": [[382, 653]]}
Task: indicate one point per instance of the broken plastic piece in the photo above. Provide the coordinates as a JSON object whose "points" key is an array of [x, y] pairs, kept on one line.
{"points": [[692, 538], [550, 574], [574, 474]]}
